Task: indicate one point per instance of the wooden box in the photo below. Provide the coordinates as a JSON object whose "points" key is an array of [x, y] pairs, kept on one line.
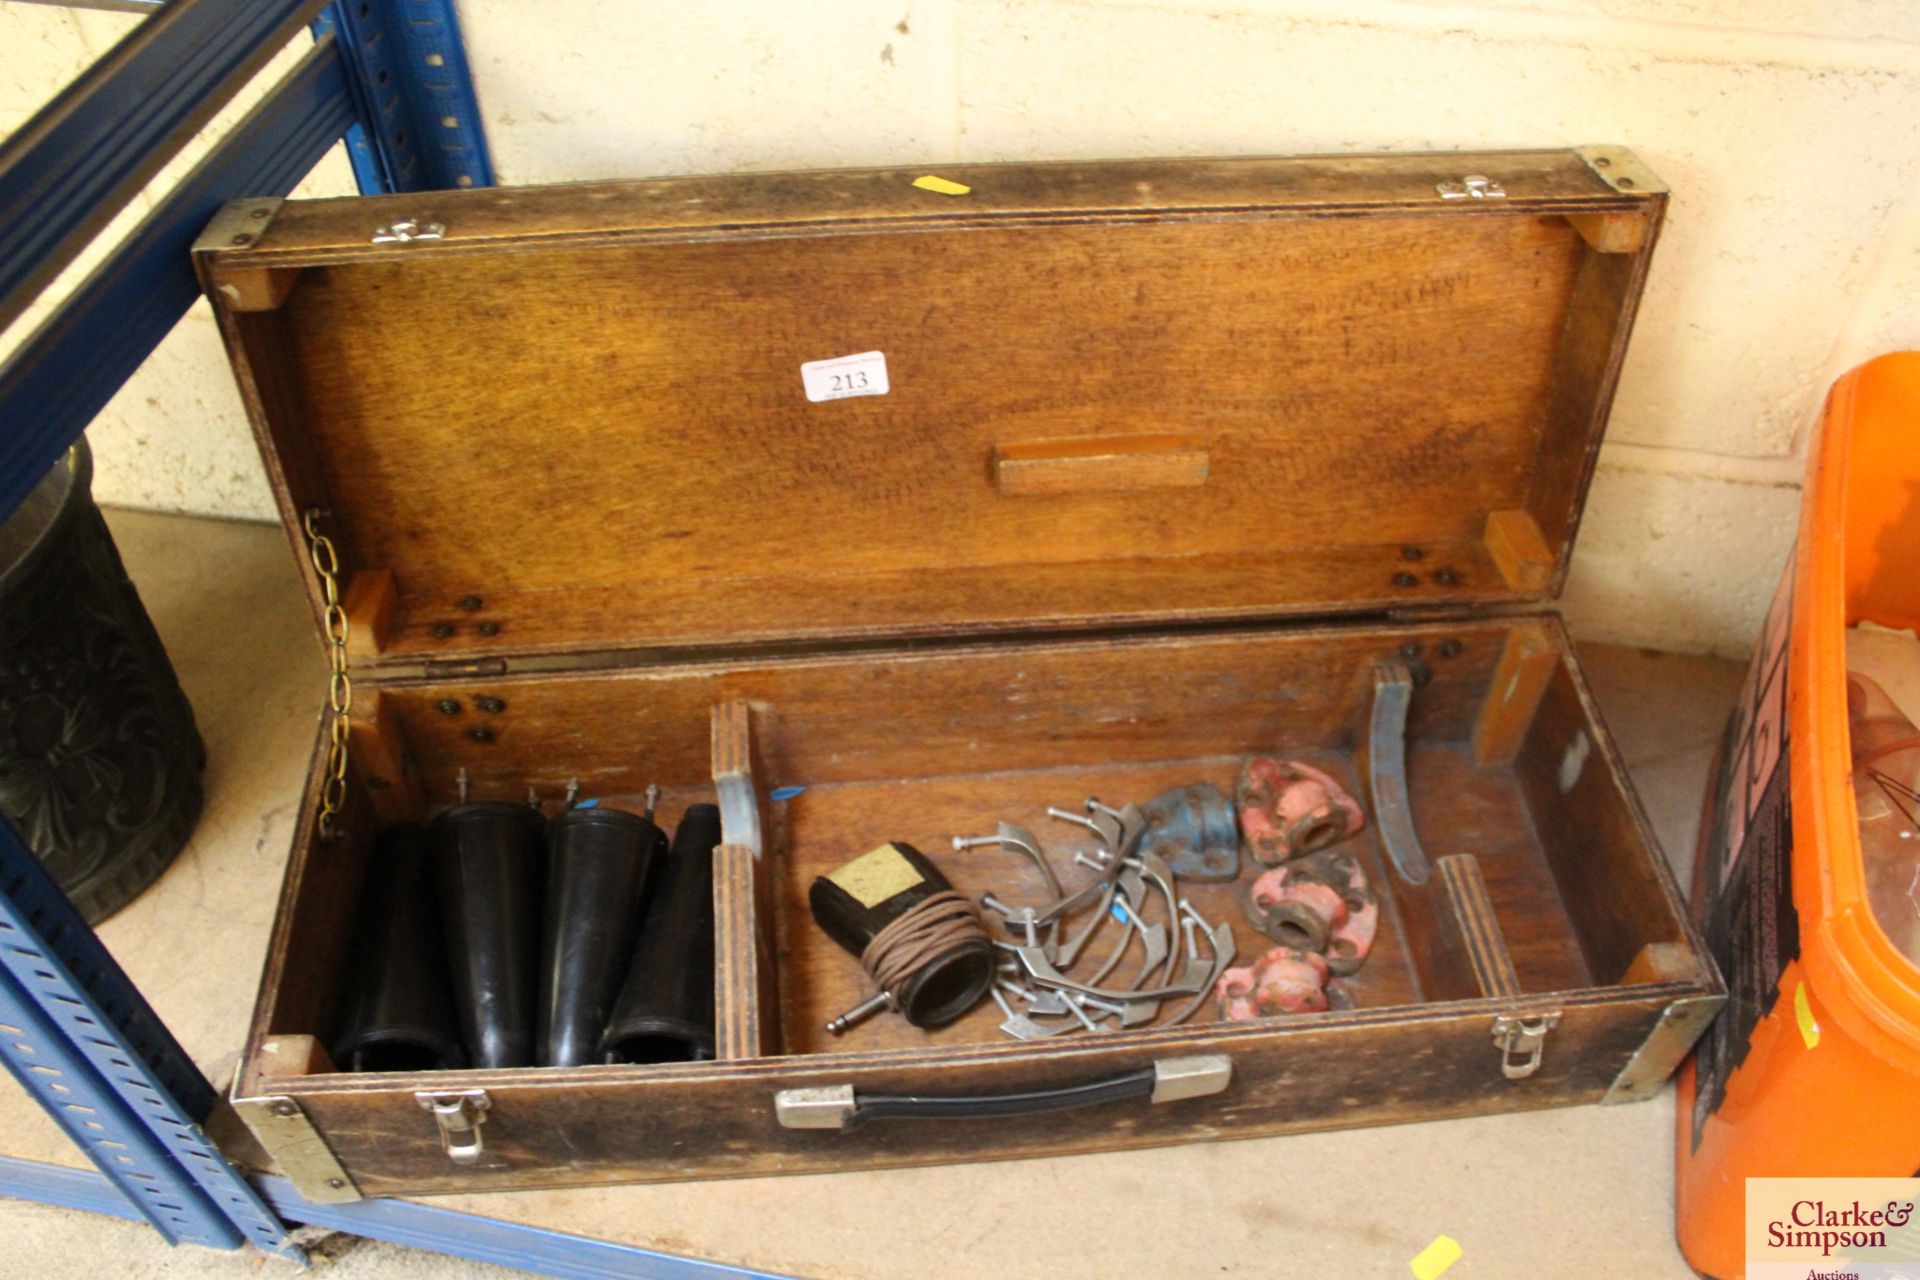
{"points": [[1173, 456]]}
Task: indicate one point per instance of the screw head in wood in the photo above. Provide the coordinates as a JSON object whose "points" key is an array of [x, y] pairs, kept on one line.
{"points": [[492, 706], [488, 628], [448, 706], [469, 603], [1445, 577], [1448, 649], [441, 630], [480, 733], [1405, 579]]}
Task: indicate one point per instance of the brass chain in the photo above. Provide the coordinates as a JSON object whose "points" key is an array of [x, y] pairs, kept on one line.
{"points": [[326, 563]]}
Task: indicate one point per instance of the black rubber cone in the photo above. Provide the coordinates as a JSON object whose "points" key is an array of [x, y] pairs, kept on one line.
{"points": [[597, 862], [396, 1013], [488, 864], [665, 1009]]}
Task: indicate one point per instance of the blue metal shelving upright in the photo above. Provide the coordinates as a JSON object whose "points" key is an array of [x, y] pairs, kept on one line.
{"points": [[390, 78]]}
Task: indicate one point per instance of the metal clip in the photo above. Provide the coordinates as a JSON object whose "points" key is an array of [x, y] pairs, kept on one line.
{"points": [[827, 1107], [1475, 186], [459, 1116], [407, 230], [1521, 1041]]}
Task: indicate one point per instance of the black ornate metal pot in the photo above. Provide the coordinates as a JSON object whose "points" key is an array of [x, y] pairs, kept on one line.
{"points": [[100, 763]]}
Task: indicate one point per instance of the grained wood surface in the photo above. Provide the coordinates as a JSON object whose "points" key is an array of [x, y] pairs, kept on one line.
{"points": [[571, 1127], [942, 710], [1463, 807], [925, 745], [573, 432], [592, 420]]}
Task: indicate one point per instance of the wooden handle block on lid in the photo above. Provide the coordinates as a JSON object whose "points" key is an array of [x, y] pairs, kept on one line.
{"points": [[1100, 465]]}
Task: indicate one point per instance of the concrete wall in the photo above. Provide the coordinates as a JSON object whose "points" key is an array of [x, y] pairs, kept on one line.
{"points": [[1789, 130]]}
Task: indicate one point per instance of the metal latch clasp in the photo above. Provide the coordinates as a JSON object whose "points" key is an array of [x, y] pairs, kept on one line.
{"points": [[459, 1116], [407, 230], [1521, 1040], [1475, 186]]}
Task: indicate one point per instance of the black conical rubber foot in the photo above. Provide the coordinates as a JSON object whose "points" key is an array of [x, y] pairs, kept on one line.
{"points": [[396, 1013], [665, 1009], [488, 865], [597, 862]]}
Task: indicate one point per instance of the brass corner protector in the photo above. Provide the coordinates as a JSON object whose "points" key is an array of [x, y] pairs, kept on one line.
{"points": [[1624, 171], [1672, 1038], [297, 1149]]}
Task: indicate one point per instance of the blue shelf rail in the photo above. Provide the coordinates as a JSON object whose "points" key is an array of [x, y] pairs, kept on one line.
{"points": [[391, 77]]}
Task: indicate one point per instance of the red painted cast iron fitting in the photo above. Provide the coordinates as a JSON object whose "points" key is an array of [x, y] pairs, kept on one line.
{"points": [[1289, 809]]}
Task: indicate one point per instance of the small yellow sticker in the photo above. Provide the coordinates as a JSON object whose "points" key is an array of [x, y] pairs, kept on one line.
{"points": [[1803, 1014], [942, 186], [1432, 1262], [874, 877]]}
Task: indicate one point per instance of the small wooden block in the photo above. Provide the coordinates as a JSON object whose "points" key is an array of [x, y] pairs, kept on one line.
{"points": [[1526, 665], [1661, 962], [294, 1056], [1037, 467], [1611, 232], [257, 288], [370, 601], [381, 760], [1519, 550]]}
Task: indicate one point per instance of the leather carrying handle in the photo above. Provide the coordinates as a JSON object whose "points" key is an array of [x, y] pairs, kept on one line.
{"points": [[841, 1108]]}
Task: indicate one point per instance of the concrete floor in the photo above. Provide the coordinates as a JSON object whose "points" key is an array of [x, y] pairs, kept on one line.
{"points": [[1573, 1192]]}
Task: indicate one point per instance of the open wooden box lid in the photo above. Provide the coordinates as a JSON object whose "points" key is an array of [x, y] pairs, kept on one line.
{"points": [[1119, 393]]}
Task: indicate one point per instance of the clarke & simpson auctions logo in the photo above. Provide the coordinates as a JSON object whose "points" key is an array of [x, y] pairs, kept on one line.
{"points": [[1833, 1229], [1813, 1224]]}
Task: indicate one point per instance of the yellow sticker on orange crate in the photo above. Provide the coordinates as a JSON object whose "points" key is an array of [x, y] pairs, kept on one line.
{"points": [[874, 877], [942, 186], [1432, 1262], [1803, 1015]]}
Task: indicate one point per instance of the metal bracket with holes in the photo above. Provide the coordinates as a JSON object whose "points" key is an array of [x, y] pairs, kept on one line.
{"points": [[91, 1051], [419, 127]]}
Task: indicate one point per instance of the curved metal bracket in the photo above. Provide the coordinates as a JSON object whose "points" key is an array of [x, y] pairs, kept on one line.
{"points": [[1387, 771]]}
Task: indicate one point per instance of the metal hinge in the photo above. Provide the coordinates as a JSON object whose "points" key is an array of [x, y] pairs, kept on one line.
{"points": [[472, 668], [1475, 186], [459, 1116], [1521, 1039], [407, 230], [1438, 613], [297, 1149]]}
